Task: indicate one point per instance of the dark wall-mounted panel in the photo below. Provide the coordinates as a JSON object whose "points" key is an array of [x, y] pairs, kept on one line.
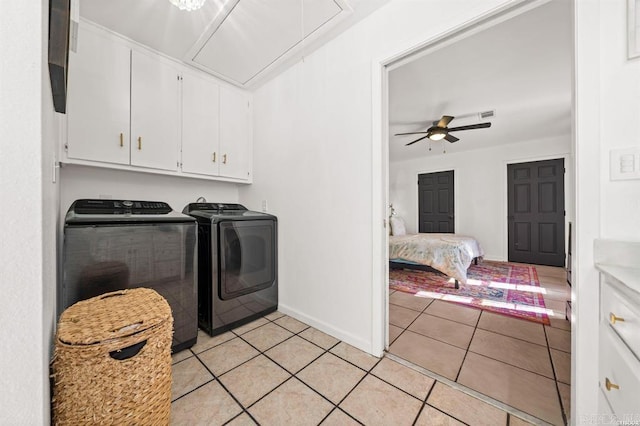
{"points": [[59, 52]]}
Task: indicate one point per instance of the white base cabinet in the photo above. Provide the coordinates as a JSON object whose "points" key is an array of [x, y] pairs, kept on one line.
{"points": [[132, 109], [619, 333]]}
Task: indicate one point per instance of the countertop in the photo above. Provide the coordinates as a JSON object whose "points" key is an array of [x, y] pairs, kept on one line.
{"points": [[626, 275], [620, 260]]}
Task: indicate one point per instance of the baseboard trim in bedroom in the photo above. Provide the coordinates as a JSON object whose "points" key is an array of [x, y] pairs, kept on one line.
{"points": [[500, 405], [342, 335]]}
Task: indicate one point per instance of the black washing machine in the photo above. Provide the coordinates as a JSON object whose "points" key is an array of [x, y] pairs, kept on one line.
{"points": [[113, 245], [237, 265]]}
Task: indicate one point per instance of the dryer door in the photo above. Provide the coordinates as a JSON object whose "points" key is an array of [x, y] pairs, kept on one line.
{"points": [[248, 252]]}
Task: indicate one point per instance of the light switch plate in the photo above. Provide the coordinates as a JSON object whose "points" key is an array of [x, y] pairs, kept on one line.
{"points": [[624, 163]]}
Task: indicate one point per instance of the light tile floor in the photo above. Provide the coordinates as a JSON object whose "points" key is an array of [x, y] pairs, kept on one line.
{"points": [[520, 363], [279, 371]]}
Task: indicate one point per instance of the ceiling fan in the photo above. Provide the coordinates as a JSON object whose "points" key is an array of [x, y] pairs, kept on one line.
{"points": [[439, 130]]}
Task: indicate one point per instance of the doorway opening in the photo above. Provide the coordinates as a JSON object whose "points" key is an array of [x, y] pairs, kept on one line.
{"points": [[453, 335]]}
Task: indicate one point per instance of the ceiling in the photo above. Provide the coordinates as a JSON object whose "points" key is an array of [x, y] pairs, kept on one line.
{"points": [[520, 68], [244, 42]]}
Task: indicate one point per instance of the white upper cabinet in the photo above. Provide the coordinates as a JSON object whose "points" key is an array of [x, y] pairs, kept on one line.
{"points": [[154, 113], [133, 109], [235, 134], [98, 101], [200, 126]]}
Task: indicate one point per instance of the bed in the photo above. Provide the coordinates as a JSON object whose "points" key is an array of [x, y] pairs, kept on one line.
{"points": [[450, 254]]}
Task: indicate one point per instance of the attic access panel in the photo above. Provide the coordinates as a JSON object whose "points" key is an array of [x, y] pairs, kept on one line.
{"points": [[256, 34]]}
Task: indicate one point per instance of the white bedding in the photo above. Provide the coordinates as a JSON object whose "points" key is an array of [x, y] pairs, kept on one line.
{"points": [[450, 254]]}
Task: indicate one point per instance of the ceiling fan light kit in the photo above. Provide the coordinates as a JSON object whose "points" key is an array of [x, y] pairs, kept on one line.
{"points": [[440, 130], [437, 134]]}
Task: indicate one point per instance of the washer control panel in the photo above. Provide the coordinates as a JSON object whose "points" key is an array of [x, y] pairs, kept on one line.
{"points": [[99, 206]]}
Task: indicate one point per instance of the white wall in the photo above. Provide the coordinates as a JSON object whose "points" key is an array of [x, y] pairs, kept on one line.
{"points": [[27, 271], [607, 109], [50, 191], [480, 187], [620, 121], [93, 182], [314, 155]]}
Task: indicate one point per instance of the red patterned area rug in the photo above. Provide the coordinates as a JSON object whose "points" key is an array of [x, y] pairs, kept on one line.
{"points": [[501, 287]]}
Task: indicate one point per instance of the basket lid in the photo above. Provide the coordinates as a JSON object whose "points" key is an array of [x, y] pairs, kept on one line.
{"points": [[112, 315]]}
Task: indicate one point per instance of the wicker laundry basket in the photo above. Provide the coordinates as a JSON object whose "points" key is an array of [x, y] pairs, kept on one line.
{"points": [[112, 360]]}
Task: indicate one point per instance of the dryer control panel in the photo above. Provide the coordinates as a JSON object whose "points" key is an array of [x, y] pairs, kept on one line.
{"points": [[215, 207]]}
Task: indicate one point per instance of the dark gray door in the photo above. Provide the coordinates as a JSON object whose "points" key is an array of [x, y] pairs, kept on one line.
{"points": [[536, 212], [435, 202]]}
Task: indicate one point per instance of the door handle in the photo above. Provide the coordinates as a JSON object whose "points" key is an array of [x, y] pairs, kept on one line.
{"points": [[121, 139], [214, 157], [139, 142], [224, 159]]}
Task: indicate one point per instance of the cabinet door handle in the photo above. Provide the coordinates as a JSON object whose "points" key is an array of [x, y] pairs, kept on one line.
{"points": [[609, 385], [224, 159], [213, 158], [121, 139], [139, 142], [613, 318]]}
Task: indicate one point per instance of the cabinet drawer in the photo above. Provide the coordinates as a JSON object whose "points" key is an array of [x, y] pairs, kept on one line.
{"points": [[622, 314], [622, 369], [604, 416]]}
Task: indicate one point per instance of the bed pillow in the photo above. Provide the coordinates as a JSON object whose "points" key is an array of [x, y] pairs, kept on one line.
{"points": [[397, 226]]}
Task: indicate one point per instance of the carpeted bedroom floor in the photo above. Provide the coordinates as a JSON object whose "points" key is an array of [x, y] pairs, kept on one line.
{"points": [[523, 364]]}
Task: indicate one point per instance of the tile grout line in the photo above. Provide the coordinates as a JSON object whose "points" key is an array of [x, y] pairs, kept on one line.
{"points": [[294, 375], [216, 378], [324, 351], [336, 408], [555, 377], [407, 327], [511, 365], [517, 338], [546, 345], [291, 375], [426, 404], [471, 392], [466, 352]]}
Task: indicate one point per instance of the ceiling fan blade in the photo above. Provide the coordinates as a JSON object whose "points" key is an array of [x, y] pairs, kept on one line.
{"points": [[471, 126], [417, 140], [444, 121], [410, 133], [451, 138]]}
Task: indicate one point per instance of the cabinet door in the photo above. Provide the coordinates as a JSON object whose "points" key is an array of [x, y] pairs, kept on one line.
{"points": [[98, 103], [200, 126], [235, 134], [154, 113]]}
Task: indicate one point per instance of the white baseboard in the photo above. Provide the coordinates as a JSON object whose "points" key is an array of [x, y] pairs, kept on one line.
{"points": [[362, 344], [494, 258]]}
